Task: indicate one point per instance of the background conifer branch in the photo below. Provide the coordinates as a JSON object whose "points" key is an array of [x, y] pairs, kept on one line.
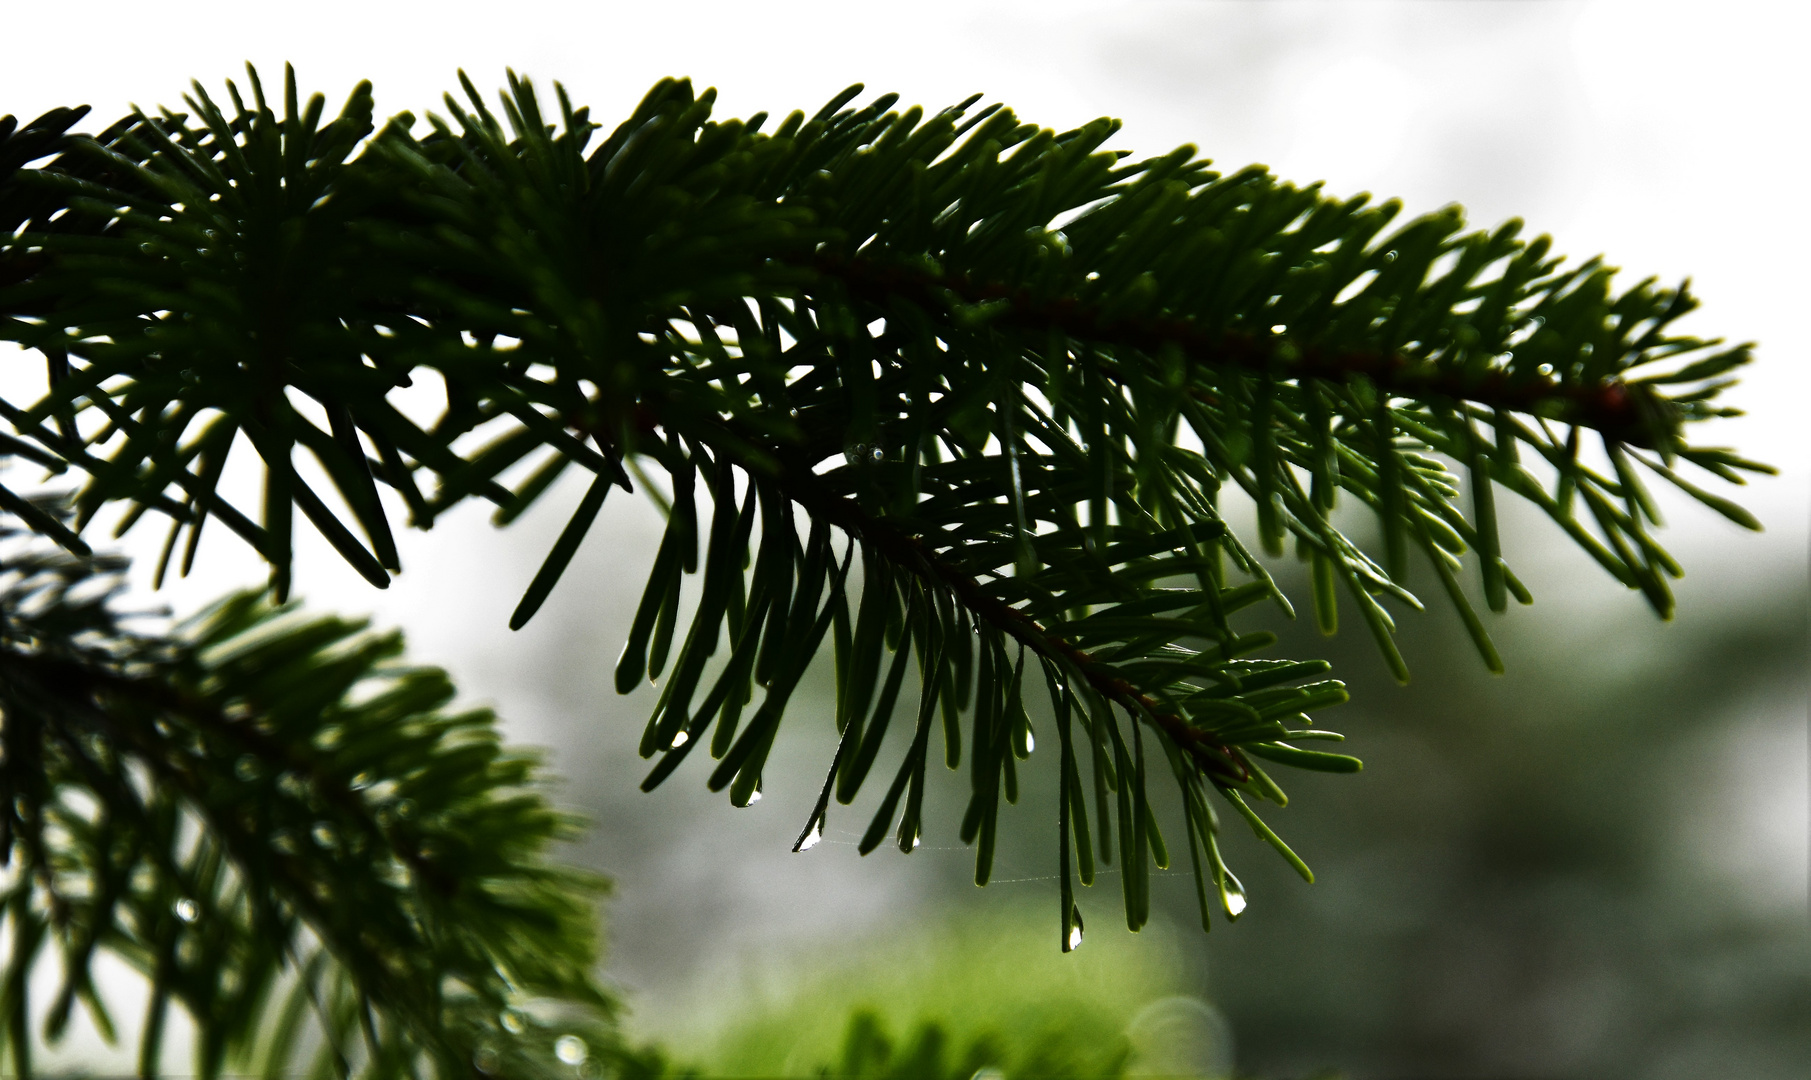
{"points": [[283, 832]]}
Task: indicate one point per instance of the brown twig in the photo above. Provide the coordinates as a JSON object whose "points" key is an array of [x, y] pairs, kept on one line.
{"points": [[1611, 407]]}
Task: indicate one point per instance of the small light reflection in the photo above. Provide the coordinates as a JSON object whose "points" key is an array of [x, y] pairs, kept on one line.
{"points": [[571, 1049], [1232, 895]]}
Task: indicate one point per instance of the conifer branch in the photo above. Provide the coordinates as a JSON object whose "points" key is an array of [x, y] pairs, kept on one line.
{"points": [[920, 554], [267, 818], [1042, 366], [1620, 411]]}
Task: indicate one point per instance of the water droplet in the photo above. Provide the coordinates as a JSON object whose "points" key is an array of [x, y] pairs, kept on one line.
{"points": [[755, 798], [1279, 328], [186, 910], [680, 740], [1075, 928], [1031, 741], [811, 840], [571, 1049], [878, 454], [511, 1021], [1545, 369], [485, 1059], [1232, 895], [324, 835], [916, 841]]}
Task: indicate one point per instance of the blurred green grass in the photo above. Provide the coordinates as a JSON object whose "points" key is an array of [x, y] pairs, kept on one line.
{"points": [[945, 998]]}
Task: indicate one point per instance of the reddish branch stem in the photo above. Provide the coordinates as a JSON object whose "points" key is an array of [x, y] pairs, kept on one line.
{"points": [[1611, 406]]}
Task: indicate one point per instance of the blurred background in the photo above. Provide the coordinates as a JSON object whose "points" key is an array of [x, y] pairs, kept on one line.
{"points": [[1595, 865]]}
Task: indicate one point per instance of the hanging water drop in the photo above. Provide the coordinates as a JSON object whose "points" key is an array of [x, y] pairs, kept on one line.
{"points": [[755, 798], [1232, 896], [1031, 741], [680, 740], [811, 839], [1075, 928], [186, 910], [511, 1021]]}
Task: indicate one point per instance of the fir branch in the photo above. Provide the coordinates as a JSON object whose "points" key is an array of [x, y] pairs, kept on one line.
{"points": [[920, 555], [1621, 411], [1040, 364]]}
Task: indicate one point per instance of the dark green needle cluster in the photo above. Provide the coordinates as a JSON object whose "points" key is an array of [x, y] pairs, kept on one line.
{"points": [[968, 399]]}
